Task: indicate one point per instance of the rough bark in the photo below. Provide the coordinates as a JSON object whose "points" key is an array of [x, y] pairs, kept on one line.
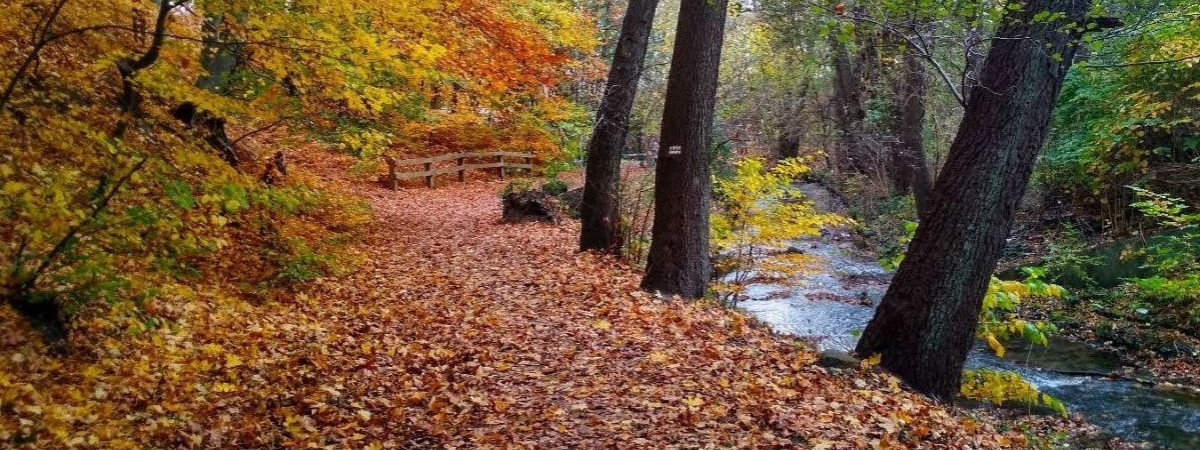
{"points": [[678, 262], [599, 212], [925, 325]]}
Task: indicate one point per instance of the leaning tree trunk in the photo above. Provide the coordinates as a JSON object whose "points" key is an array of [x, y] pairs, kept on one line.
{"points": [[678, 262], [908, 159], [599, 211], [926, 323]]}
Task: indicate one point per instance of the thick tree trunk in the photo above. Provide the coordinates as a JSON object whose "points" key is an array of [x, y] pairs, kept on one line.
{"points": [[911, 172], [678, 262], [599, 212], [926, 323]]}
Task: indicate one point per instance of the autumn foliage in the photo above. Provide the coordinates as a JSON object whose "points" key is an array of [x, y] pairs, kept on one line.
{"points": [[456, 331], [162, 291], [129, 126]]}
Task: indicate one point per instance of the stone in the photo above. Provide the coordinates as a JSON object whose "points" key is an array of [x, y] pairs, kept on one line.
{"points": [[838, 359]]}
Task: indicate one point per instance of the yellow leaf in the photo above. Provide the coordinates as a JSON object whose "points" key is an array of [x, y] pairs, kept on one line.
{"points": [[213, 349], [873, 361], [232, 360], [602, 324], [224, 387], [92, 371], [14, 188], [501, 405], [995, 345], [658, 356]]}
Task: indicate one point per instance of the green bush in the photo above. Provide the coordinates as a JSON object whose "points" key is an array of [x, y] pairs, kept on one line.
{"points": [[1068, 260], [1175, 259], [555, 187]]}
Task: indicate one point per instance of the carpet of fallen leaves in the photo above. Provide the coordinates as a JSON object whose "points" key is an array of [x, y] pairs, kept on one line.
{"points": [[456, 332]]}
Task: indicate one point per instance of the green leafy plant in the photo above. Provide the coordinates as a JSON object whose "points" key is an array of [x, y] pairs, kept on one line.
{"points": [[1068, 260], [1000, 319], [555, 187], [1177, 253], [891, 259], [1174, 257]]}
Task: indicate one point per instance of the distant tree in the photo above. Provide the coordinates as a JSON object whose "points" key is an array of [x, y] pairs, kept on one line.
{"points": [[598, 212], [910, 171], [926, 323], [678, 262]]}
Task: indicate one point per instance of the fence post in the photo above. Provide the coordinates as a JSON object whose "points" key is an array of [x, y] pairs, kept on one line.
{"points": [[529, 162], [429, 176], [461, 171], [393, 181], [501, 167]]}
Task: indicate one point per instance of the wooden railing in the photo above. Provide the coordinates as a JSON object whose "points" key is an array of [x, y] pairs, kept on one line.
{"points": [[394, 175]]}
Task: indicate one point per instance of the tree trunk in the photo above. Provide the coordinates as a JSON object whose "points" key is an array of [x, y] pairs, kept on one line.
{"points": [[678, 262], [925, 325], [908, 159], [788, 145], [848, 107], [218, 55], [599, 212]]}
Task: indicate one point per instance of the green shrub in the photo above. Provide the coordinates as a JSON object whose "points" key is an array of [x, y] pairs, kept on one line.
{"points": [[1068, 260], [555, 187], [1175, 257], [300, 264]]}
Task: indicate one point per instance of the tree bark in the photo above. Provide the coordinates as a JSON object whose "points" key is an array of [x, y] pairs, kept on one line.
{"points": [[848, 106], [678, 262], [926, 323], [599, 211], [911, 172]]}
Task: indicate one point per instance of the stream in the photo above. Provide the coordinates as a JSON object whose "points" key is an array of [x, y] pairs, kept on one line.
{"points": [[830, 308]]}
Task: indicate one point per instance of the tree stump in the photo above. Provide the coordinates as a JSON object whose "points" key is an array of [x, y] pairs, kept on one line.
{"points": [[533, 205]]}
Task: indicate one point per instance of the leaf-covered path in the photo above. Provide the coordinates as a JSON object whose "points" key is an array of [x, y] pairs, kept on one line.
{"points": [[454, 331], [475, 333]]}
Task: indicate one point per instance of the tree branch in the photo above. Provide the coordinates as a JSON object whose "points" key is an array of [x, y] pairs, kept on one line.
{"points": [[1143, 63]]}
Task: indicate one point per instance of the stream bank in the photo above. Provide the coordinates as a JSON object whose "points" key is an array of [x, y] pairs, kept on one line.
{"points": [[831, 307]]}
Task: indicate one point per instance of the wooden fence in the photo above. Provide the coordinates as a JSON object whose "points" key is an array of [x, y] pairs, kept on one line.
{"points": [[394, 175]]}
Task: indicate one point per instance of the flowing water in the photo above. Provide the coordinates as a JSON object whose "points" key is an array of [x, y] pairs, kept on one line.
{"points": [[830, 308]]}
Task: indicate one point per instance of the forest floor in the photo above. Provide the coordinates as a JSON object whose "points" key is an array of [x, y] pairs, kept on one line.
{"points": [[457, 331]]}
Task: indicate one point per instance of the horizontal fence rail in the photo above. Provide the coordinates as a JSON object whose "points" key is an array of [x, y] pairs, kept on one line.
{"points": [[394, 175]]}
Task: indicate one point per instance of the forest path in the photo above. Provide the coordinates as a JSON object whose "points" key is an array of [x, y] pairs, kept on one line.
{"points": [[465, 332]]}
